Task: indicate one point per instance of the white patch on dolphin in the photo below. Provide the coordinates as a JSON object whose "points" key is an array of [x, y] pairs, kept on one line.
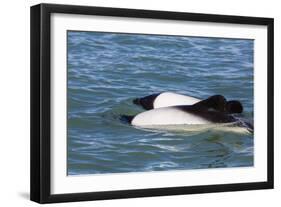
{"points": [[166, 99], [167, 116]]}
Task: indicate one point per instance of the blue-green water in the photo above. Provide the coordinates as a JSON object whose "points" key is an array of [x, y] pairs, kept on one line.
{"points": [[107, 71]]}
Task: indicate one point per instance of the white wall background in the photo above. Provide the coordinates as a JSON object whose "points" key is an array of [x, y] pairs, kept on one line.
{"points": [[14, 104]]}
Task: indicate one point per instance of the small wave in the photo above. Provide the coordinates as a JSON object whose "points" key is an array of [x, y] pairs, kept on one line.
{"points": [[161, 165], [171, 148]]}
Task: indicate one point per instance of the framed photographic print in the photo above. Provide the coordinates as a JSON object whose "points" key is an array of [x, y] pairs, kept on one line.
{"points": [[133, 103]]}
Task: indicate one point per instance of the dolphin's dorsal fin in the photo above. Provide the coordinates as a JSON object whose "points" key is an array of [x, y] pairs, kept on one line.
{"points": [[220, 104], [216, 102]]}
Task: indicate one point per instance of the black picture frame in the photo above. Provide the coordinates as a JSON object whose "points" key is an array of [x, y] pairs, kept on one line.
{"points": [[41, 96]]}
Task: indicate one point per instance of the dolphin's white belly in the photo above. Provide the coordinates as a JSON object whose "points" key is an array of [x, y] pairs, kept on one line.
{"points": [[167, 116], [173, 99]]}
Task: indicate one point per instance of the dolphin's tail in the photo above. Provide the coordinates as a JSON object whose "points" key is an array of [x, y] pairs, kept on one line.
{"points": [[249, 126], [246, 124]]}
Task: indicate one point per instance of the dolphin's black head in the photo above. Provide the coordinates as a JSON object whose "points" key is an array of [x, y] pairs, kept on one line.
{"points": [[146, 102], [127, 119], [233, 107]]}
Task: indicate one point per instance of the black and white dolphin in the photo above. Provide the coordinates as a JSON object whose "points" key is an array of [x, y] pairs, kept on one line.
{"points": [[209, 112], [167, 99]]}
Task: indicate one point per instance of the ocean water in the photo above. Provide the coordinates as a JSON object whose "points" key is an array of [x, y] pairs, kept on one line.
{"points": [[106, 71]]}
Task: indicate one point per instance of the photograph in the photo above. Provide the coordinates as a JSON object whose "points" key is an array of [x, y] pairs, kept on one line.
{"points": [[129, 103], [154, 102]]}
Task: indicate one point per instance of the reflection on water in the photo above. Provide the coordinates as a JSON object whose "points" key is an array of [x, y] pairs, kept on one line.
{"points": [[107, 71]]}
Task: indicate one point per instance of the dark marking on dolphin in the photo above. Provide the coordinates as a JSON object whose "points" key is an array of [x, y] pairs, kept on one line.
{"points": [[147, 101], [127, 119], [215, 116]]}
